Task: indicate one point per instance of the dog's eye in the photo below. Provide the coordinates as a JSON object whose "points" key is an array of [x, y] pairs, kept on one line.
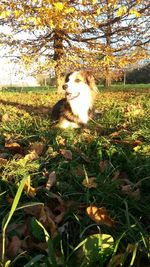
{"points": [[77, 80]]}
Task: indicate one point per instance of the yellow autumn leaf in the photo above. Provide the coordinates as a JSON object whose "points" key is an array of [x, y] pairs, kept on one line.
{"points": [[121, 11], [31, 156], [59, 6], [98, 11], [5, 14], [90, 182], [31, 191], [100, 215], [17, 13], [135, 12]]}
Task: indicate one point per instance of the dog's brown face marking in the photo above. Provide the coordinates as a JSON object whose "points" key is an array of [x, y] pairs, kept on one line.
{"points": [[81, 76], [67, 77]]}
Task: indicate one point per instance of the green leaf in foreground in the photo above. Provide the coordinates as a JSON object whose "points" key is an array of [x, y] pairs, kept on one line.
{"points": [[97, 248]]}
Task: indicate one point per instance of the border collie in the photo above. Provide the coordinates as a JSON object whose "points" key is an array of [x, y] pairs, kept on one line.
{"points": [[76, 108]]}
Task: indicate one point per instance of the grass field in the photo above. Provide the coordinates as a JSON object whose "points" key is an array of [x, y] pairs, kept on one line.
{"points": [[75, 197]]}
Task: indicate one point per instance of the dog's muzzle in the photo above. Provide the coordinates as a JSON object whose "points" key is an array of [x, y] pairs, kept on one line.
{"points": [[68, 95]]}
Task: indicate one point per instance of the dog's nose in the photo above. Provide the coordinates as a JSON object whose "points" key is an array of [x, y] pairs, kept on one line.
{"points": [[65, 86]]}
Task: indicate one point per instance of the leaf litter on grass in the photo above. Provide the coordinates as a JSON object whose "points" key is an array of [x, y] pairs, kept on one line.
{"points": [[116, 158]]}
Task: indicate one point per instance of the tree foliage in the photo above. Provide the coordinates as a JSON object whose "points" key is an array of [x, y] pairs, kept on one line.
{"points": [[63, 35]]}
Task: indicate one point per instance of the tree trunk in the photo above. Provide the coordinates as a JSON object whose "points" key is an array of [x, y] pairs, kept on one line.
{"points": [[58, 57], [108, 81], [124, 77], [108, 31], [59, 79]]}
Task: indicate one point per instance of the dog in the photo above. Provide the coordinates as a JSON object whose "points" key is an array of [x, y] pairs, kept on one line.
{"points": [[76, 108]]}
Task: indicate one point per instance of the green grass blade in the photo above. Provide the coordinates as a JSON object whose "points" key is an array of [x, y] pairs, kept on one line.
{"points": [[6, 220], [50, 246], [34, 260]]}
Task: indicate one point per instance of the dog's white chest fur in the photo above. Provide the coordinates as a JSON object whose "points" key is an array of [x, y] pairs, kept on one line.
{"points": [[80, 106]]}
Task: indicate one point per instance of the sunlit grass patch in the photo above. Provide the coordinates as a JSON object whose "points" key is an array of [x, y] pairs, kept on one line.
{"points": [[103, 168]]}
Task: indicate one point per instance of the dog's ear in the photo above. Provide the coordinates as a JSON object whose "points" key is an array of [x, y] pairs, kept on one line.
{"points": [[91, 81]]}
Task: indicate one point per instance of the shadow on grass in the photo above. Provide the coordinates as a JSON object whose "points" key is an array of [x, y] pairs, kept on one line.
{"points": [[37, 110]]}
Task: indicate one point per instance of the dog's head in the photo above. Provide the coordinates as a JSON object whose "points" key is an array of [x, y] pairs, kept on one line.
{"points": [[79, 83]]}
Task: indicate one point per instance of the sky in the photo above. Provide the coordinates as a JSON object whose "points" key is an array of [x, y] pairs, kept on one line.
{"points": [[12, 73]]}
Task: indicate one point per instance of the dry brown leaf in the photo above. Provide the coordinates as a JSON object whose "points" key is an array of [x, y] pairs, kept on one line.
{"points": [[34, 210], [13, 146], [30, 244], [46, 217], [136, 194], [14, 247], [90, 182], [137, 143], [66, 153], [103, 165], [9, 200], [51, 180], [83, 155], [128, 190], [59, 218], [100, 216], [121, 175], [115, 134], [3, 162], [58, 207], [37, 147]]}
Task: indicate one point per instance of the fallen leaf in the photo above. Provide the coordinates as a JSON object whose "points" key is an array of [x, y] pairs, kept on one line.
{"points": [[31, 156], [60, 140], [7, 117], [13, 147], [100, 216], [29, 245], [46, 217], [90, 182], [66, 153], [82, 155], [51, 153], [121, 142], [14, 247], [115, 134], [121, 175], [9, 200], [58, 207], [3, 162], [17, 156], [128, 190], [31, 191], [36, 147], [103, 165], [137, 143], [51, 180], [34, 210]]}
